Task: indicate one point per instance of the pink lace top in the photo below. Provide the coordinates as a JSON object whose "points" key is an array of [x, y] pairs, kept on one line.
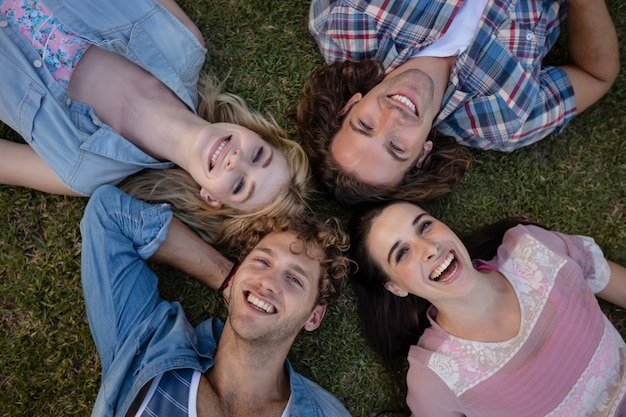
{"points": [[567, 359]]}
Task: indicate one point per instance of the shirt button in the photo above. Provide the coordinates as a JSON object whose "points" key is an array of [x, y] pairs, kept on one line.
{"points": [[68, 101], [37, 63], [530, 36], [4, 24]]}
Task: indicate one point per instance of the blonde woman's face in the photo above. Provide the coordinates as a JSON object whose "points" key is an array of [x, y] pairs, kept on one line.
{"points": [[239, 169]]}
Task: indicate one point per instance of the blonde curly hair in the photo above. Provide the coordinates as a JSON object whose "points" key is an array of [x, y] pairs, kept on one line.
{"points": [[225, 226]]}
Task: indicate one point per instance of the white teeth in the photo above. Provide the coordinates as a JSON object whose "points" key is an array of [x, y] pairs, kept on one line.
{"points": [[217, 152], [404, 100], [261, 304], [445, 264]]}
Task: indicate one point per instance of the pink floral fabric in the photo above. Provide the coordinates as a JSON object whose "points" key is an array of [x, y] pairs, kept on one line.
{"points": [[60, 49]]}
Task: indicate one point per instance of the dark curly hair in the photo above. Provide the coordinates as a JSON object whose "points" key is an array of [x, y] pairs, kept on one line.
{"points": [[318, 119]]}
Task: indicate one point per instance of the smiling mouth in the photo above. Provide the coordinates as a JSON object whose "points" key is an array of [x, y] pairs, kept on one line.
{"points": [[259, 304], [217, 152], [445, 270], [405, 102]]}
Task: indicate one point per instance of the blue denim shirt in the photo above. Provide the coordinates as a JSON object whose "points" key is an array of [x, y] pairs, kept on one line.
{"points": [[83, 151], [137, 333]]}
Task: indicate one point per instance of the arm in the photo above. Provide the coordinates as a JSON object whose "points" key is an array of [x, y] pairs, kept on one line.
{"points": [[593, 51], [615, 291], [21, 165], [185, 250]]}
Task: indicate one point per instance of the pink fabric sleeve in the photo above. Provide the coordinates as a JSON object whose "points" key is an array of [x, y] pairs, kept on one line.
{"points": [[582, 250], [427, 394]]}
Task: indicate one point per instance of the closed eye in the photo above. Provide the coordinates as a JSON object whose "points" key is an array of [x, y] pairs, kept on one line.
{"points": [[239, 186], [365, 126], [258, 155], [395, 147]]}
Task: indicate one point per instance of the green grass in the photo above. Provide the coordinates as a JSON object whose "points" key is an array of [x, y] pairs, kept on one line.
{"points": [[574, 182]]}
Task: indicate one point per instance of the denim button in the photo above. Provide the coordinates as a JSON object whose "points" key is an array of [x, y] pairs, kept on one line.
{"points": [[37, 63], [4, 24]]}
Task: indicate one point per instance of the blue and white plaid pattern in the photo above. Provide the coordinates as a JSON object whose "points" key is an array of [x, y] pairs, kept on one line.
{"points": [[171, 397], [499, 96]]}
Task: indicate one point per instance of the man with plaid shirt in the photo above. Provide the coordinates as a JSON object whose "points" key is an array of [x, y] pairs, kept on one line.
{"points": [[472, 70]]}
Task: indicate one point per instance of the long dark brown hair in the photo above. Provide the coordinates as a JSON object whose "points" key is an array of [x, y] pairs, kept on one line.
{"points": [[392, 324]]}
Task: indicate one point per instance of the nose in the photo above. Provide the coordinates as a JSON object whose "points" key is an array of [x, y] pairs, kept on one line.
{"points": [[232, 159], [268, 281], [391, 119], [430, 249]]}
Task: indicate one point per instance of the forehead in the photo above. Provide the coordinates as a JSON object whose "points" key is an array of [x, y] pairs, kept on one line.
{"points": [[396, 215], [391, 222], [287, 244]]}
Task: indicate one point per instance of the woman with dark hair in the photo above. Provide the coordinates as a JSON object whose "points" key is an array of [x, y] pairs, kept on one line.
{"points": [[509, 325]]}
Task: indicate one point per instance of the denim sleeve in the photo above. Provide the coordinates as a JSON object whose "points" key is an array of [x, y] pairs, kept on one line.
{"points": [[121, 291]]}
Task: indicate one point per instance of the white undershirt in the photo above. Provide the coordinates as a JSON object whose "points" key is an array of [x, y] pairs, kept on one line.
{"points": [[460, 33]]}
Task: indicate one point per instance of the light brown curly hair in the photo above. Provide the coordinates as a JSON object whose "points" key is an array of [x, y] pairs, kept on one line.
{"points": [[318, 119], [327, 235]]}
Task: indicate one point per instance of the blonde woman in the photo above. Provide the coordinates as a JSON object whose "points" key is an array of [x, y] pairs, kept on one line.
{"points": [[101, 91]]}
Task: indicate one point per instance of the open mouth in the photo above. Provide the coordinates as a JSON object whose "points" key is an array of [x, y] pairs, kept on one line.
{"points": [[218, 151], [445, 270], [259, 304], [405, 102]]}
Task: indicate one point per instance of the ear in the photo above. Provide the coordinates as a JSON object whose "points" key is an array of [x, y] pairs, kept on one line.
{"points": [[209, 200], [428, 146], [353, 100], [395, 290], [315, 319]]}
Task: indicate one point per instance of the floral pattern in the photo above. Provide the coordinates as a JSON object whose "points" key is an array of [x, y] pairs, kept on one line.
{"points": [[60, 49]]}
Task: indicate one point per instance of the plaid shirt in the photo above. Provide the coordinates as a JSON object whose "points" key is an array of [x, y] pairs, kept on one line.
{"points": [[499, 96]]}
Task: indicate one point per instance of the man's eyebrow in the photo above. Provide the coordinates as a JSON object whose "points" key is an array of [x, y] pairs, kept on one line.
{"points": [[364, 132], [395, 245]]}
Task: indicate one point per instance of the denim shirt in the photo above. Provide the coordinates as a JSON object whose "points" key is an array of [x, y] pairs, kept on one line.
{"points": [[84, 152], [138, 334]]}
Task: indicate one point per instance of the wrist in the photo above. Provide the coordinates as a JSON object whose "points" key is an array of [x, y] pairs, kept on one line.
{"points": [[229, 277]]}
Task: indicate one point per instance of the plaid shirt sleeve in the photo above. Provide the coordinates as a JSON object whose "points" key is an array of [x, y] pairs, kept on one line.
{"points": [[500, 97]]}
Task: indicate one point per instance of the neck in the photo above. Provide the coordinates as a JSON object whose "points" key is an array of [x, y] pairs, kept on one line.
{"points": [[165, 128], [437, 68], [490, 313], [248, 377]]}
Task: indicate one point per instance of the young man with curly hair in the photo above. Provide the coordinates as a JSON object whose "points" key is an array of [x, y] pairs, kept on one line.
{"points": [[155, 363]]}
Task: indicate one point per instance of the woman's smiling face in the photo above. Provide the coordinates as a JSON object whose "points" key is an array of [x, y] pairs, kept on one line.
{"points": [[239, 169], [419, 254]]}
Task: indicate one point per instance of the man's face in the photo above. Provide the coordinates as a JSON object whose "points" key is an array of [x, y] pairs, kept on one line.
{"points": [[275, 290], [384, 132]]}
